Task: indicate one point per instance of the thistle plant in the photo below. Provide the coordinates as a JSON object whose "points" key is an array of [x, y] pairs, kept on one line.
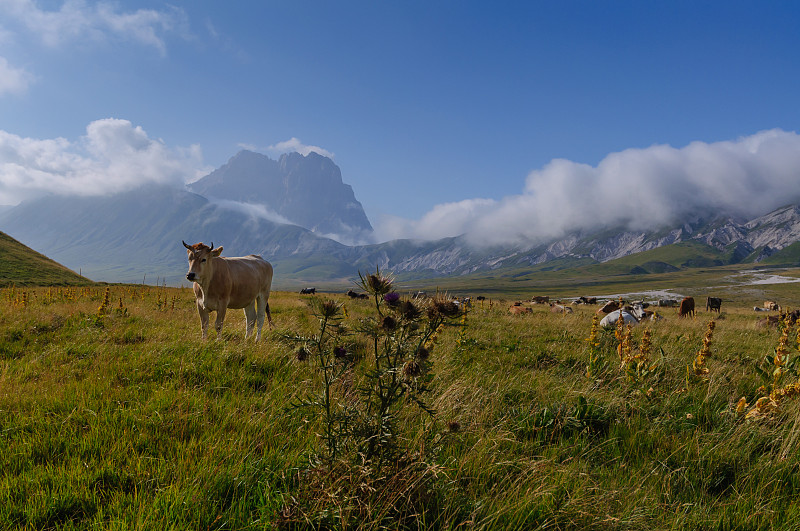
{"points": [[360, 421], [401, 337], [328, 350]]}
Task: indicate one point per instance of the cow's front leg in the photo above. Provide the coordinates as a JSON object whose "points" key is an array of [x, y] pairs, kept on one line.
{"points": [[250, 319], [220, 319], [203, 320]]}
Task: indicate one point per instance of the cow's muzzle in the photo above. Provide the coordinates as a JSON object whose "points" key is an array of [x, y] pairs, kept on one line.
{"points": [[190, 276]]}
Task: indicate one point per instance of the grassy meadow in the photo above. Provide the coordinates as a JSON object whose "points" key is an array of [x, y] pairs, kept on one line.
{"points": [[114, 414]]}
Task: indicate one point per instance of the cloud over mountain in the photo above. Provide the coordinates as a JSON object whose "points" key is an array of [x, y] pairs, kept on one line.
{"points": [[295, 145], [113, 156], [639, 188]]}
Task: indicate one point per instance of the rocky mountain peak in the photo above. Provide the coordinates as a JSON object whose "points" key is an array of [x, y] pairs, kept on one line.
{"points": [[307, 190]]}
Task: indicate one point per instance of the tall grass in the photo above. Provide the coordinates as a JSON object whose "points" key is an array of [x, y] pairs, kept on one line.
{"points": [[125, 419]]}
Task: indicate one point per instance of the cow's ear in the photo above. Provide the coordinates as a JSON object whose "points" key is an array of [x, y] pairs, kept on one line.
{"points": [[217, 251]]}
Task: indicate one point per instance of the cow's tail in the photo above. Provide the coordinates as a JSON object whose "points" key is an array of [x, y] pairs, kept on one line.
{"points": [[263, 301]]}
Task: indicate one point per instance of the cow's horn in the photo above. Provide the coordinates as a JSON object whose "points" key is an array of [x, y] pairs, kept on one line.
{"points": [[184, 244], [212, 246]]}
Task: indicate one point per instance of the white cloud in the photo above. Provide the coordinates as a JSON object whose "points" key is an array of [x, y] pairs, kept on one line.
{"points": [[294, 144], [254, 210], [78, 20], [638, 188], [13, 80], [113, 156]]}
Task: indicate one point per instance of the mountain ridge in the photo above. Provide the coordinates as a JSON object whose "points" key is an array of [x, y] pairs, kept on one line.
{"points": [[130, 235]]}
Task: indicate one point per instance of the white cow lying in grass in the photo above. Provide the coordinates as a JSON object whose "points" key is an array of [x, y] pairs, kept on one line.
{"points": [[612, 318]]}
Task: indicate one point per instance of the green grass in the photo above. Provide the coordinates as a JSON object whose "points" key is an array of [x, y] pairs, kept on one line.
{"points": [[788, 256], [22, 266], [130, 421]]}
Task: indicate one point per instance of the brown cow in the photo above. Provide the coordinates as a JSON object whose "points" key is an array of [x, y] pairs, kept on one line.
{"points": [[772, 306], [768, 322], [519, 310], [686, 307], [610, 306], [541, 299], [222, 283]]}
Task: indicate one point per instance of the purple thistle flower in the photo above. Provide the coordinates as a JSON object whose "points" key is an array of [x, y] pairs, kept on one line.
{"points": [[392, 298]]}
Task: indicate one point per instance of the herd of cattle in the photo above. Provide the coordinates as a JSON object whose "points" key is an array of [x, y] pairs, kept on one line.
{"points": [[245, 282], [633, 313], [637, 312]]}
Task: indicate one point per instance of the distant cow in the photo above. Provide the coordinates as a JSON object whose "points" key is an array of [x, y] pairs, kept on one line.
{"points": [[558, 308], [518, 309], [588, 300], [353, 295], [768, 322], [308, 291], [713, 304], [222, 283], [610, 306], [667, 303], [772, 306], [637, 310], [791, 317], [541, 299], [612, 318], [686, 307], [760, 309]]}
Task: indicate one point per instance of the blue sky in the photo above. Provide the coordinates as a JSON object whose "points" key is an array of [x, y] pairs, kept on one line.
{"points": [[445, 117]]}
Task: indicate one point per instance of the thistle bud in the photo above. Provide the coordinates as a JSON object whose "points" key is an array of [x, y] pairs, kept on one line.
{"points": [[389, 323], [302, 354], [411, 369], [392, 298]]}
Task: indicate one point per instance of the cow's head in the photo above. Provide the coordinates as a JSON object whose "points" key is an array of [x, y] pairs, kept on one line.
{"points": [[200, 263]]}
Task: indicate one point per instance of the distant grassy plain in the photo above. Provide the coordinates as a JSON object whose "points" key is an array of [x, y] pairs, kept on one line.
{"points": [[128, 420]]}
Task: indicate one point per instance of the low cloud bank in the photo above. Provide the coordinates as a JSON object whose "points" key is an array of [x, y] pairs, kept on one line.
{"points": [[637, 188], [253, 210], [113, 156]]}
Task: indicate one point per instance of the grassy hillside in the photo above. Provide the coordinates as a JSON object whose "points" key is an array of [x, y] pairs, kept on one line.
{"points": [[789, 255], [114, 414], [22, 266]]}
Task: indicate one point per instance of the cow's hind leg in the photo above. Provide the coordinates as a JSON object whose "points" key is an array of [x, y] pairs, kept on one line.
{"points": [[250, 317], [260, 314]]}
